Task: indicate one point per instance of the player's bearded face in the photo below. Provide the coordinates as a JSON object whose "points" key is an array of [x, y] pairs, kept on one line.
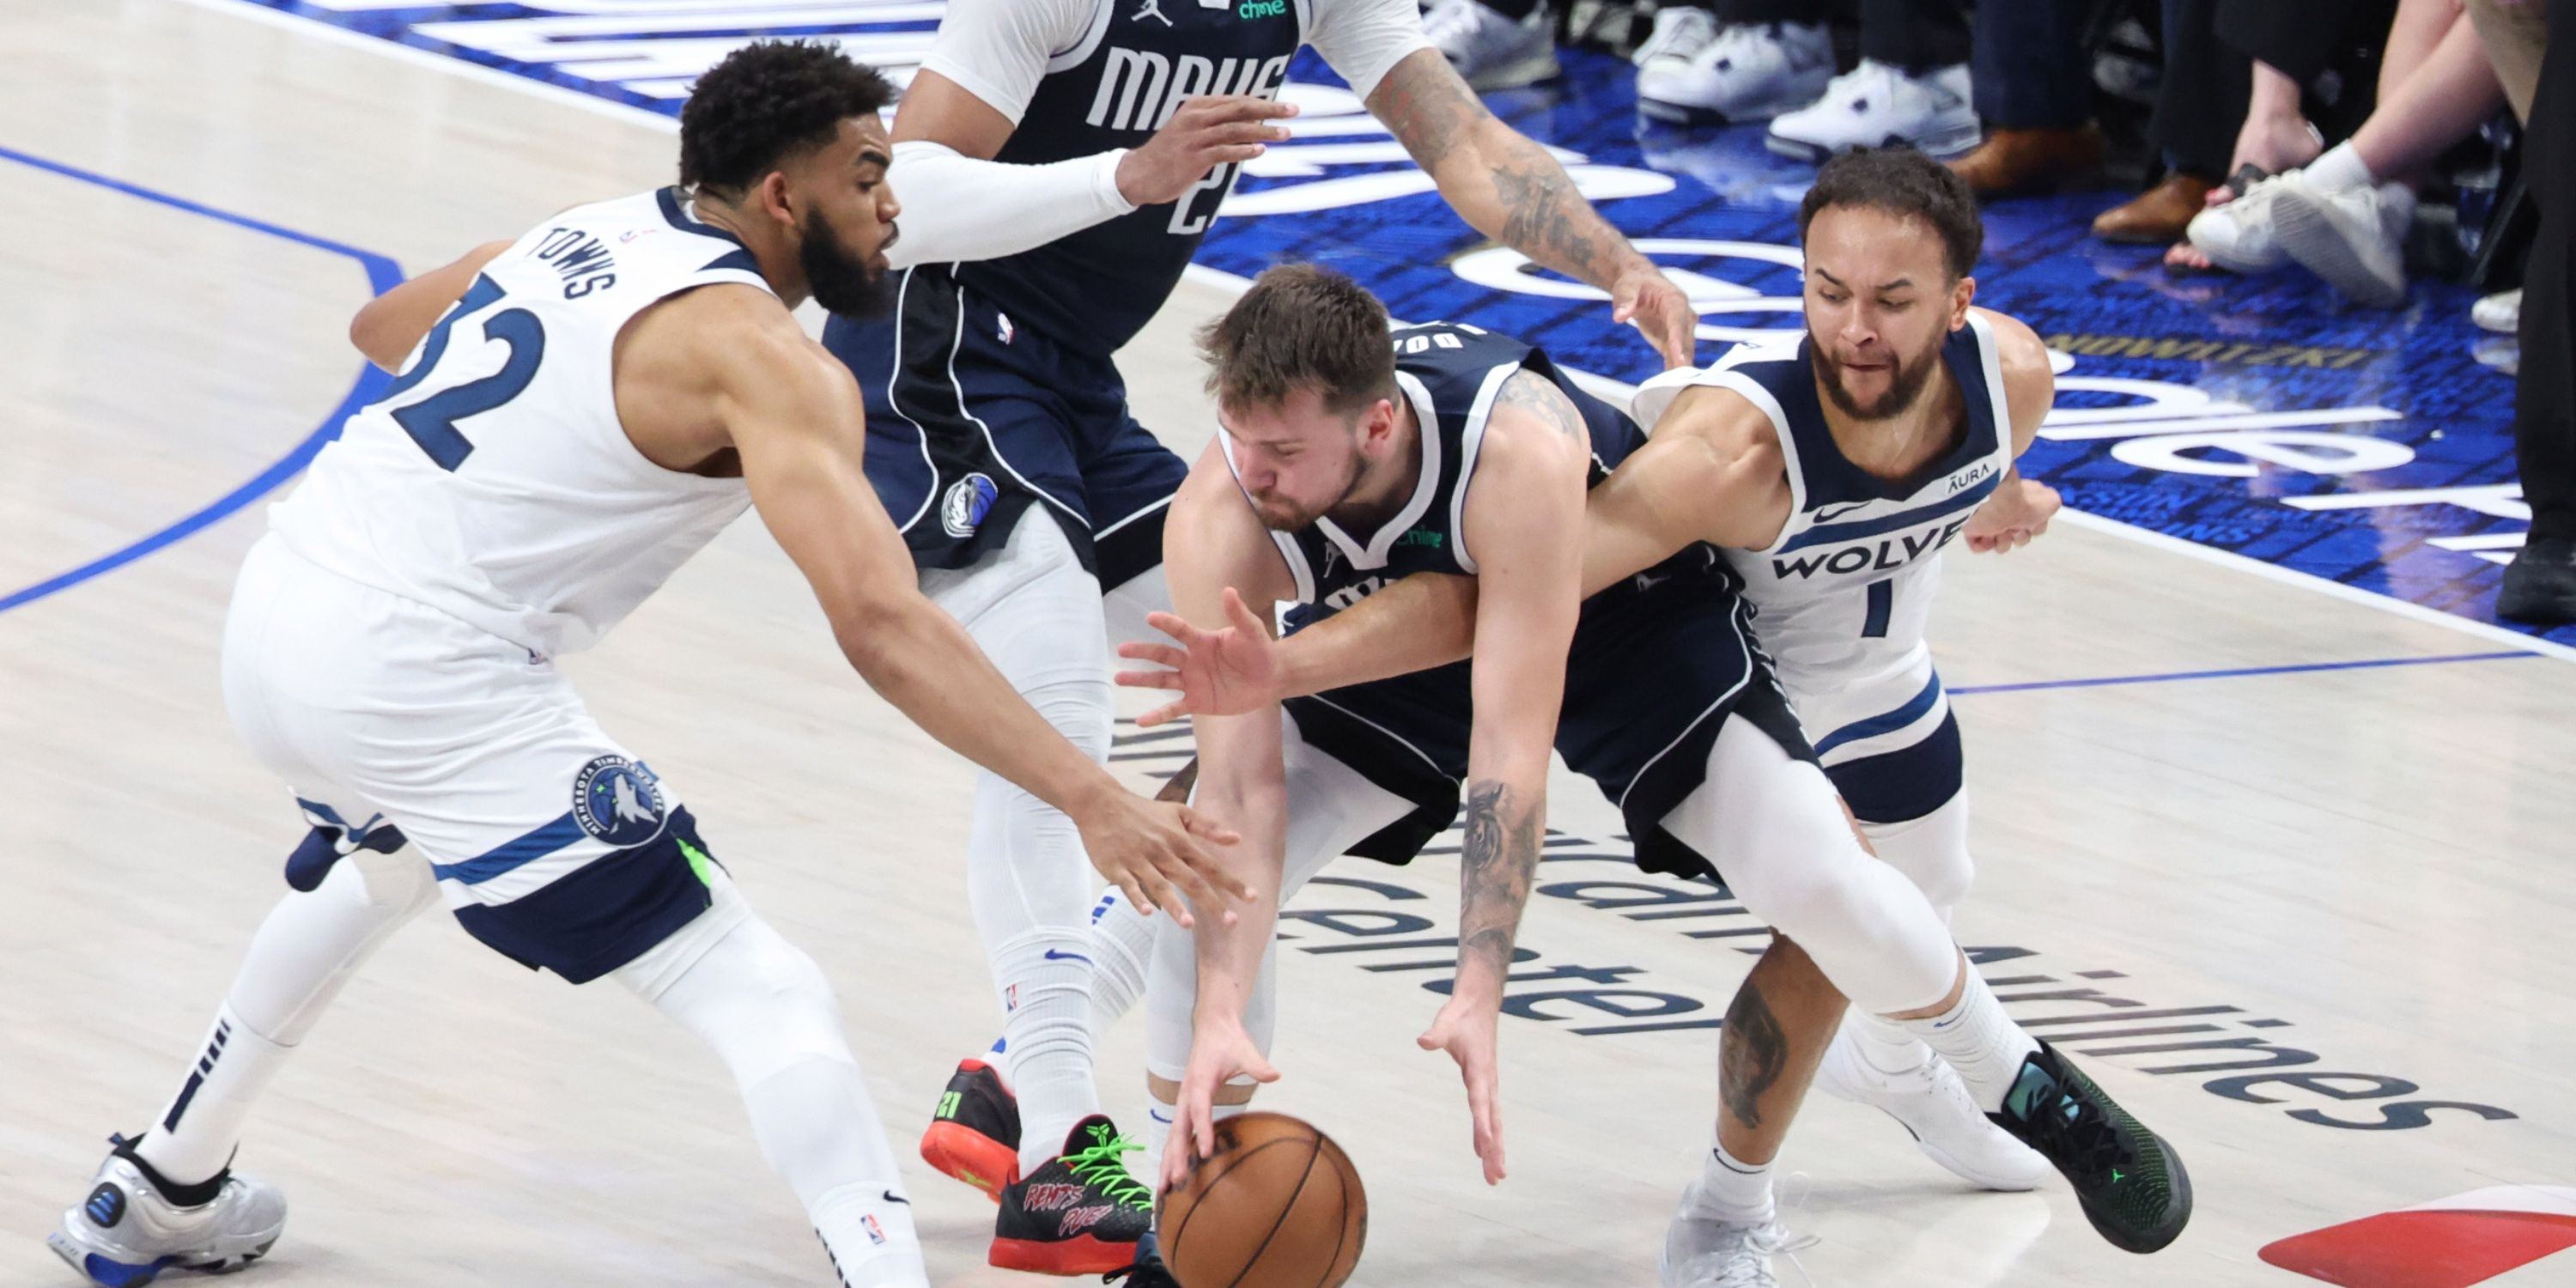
{"points": [[1297, 496], [1874, 385], [843, 281]]}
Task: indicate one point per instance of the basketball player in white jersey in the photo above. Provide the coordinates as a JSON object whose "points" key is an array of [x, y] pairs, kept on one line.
{"points": [[1836, 470], [583, 409]]}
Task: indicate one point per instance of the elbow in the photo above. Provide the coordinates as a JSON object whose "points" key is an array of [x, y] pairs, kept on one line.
{"points": [[371, 336]]}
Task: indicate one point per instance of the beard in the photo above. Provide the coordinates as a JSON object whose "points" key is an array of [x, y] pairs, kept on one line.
{"points": [[842, 283], [1905, 383], [1281, 515]]}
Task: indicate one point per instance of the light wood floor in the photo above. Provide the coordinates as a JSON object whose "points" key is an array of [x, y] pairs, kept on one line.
{"points": [[2377, 858]]}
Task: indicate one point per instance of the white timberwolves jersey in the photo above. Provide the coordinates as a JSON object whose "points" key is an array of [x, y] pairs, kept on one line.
{"points": [[493, 481], [1843, 593]]}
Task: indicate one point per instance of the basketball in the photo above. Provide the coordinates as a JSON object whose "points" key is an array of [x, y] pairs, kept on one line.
{"points": [[1278, 1205]]}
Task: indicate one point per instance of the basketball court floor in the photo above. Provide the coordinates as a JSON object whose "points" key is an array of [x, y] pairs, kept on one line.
{"points": [[2274, 825]]}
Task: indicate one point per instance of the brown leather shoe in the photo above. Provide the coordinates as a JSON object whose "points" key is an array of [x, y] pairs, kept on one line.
{"points": [[2157, 216], [2017, 162]]}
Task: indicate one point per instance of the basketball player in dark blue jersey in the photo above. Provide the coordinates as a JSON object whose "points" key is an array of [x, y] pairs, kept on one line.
{"points": [[1062, 159], [1904, 407]]}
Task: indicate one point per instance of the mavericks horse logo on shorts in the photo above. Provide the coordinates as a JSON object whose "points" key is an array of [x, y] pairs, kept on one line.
{"points": [[618, 801], [969, 499]]}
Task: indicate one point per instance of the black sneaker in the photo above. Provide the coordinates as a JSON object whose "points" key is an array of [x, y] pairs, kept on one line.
{"points": [[1148, 1271], [1079, 1213], [2540, 584], [975, 1135], [2130, 1181]]}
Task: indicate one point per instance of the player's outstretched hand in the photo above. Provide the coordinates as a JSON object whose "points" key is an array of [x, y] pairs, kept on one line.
{"points": [[1465, 1029], [1156, 851], [1643, 295], [2017, 512], [1207, 132], [1224, 672], [1220, 1052]]}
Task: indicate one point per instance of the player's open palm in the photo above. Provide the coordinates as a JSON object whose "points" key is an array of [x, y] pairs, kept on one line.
{"points": [[1230, 671], [2017, 512], [1156, 852], [1465, 1029], [1220, 1052], [1207, 132]]}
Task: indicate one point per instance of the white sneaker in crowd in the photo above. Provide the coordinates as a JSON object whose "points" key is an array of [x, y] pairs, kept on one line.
{"points": [[1876, 104], [1744, 72], [1489, 50]]}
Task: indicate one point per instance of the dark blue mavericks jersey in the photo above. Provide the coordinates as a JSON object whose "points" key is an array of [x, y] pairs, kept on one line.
{"points": [[1093, 291], [1658, 662]]}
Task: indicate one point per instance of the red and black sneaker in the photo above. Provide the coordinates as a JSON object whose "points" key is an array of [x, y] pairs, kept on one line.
{"points": [[1078, 1214], [975, 1136]]}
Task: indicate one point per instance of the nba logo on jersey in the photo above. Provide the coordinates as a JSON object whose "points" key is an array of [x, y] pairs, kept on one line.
{"points": [[1003, 327], [618, 801], [967, 502]]}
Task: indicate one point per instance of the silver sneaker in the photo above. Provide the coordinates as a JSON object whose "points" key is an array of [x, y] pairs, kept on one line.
{"points": [[2355, 238], [1876, 104], [1930, 1102], [1489, 50], [1702, 1252], [2238, 235], [125, 1233], [1745, 72]]}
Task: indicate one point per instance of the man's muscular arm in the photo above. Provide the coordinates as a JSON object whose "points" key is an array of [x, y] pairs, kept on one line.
{"points": [[1712, 473], [2020, 508], [793, 415], [1212, 541], [1512, 190], [1525, 506]]}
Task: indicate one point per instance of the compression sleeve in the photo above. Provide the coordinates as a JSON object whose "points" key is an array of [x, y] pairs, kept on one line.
{"points": [[957, 208]]}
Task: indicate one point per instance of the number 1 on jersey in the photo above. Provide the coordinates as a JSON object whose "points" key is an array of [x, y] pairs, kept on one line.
{"points": [[1882, 602], [431, 422]]}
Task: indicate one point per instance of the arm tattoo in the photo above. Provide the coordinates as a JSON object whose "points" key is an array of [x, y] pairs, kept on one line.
{"points": [[1751, 1056], [1500, 860], [1541, 398], [1426, 107], [1546, 218]]}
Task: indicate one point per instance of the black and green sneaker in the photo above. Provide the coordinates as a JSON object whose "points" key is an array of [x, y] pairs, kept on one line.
{"points": [[1079, 1213], [2130, 1181]]}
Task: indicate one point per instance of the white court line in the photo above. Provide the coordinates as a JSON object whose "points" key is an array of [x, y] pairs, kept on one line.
{"points": [[1236, 284]]}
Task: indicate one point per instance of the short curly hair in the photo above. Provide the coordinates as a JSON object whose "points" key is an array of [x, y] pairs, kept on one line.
{"points": [[1300, 326], [766, 102], [1902, 181]]}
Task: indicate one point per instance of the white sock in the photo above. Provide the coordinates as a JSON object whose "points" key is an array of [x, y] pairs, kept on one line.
{"points": [[306, 949], [1122, 941], [1734, 1191], [1886, 1046], [1158, 1131], [1979, 1041], [197, 1131], [1046, 1033], [869, 1233], [2340, 169]]}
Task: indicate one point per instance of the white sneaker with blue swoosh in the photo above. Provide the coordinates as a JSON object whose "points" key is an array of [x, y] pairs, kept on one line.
{"points": [[127, 1231]]}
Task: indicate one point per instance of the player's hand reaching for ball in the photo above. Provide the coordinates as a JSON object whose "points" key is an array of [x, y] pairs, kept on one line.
{"points": [[1207, 132], [1226, 672], [1156, 851], [1220, 1052], [2017, 512], [1465, 1029]]}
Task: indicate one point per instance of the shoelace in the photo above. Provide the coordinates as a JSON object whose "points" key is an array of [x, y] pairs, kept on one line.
{"points": [[1690, 31], [2085, 1141], [1747, 1264], [1104, 1165]]}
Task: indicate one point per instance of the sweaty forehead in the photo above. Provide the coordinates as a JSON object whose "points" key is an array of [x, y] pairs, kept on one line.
{"points": [[1864, 246]]}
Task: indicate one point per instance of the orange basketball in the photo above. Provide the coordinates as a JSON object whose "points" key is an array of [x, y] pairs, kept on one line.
{"points": [[1278, 1206]]}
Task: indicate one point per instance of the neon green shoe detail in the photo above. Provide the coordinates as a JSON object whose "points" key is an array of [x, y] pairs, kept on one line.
{"points": [[1103, 1163]]}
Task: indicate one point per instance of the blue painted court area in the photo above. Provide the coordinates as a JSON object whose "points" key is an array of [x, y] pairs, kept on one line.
{"points": [[383, 274]]}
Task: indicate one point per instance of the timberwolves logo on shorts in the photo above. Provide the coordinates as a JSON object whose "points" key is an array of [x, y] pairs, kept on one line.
{"points": [[968, 499], [618, 801]]}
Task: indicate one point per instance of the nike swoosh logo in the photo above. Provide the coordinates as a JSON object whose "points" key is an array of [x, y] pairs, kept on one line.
{"points": [[1157, 1116], [1054, 956], [892, 1197], [1828, 516]]}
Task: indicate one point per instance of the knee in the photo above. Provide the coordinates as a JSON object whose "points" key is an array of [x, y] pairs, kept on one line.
{"points": [[1932, 852]]}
